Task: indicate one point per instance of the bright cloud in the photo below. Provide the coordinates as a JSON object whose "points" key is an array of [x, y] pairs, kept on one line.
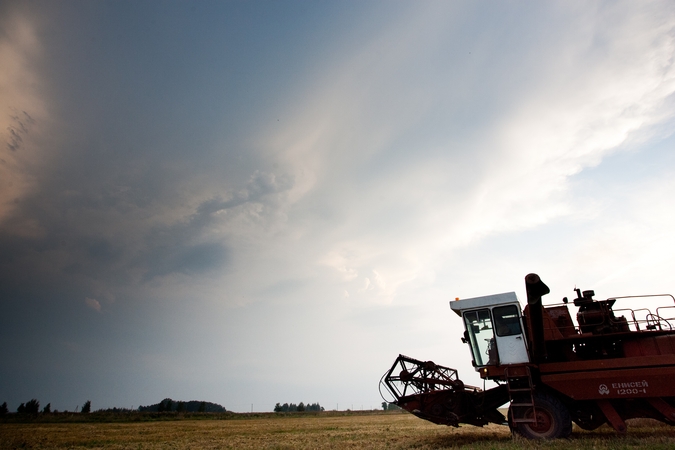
{"points": [[428, 197]]}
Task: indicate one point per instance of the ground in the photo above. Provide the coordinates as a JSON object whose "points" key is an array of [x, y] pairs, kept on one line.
{"points": [[321, 431]]}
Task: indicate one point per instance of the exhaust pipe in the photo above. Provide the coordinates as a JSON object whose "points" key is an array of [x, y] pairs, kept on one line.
{"points": [[535, 290]]}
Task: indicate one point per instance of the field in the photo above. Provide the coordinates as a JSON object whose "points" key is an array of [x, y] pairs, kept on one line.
{"points": [[324, 431]]}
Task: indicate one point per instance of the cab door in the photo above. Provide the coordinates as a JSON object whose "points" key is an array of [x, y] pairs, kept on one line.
{"points": [[481, 338], [509, 334]]}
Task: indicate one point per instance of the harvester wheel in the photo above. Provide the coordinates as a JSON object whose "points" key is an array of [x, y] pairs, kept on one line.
{"points": [[553, 419]]}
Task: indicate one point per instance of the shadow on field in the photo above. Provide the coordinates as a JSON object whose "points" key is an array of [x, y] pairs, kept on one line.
{"points": [[641, 434], [466, 438], [637, 429]]}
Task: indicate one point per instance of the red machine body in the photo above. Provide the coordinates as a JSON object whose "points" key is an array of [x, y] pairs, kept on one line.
{"points": [[611, 365]]}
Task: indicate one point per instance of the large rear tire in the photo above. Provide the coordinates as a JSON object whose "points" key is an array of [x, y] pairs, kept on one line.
{"points": [[553, 419]]}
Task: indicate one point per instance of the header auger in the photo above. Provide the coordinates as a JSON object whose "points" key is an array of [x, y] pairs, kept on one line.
{"points": [[609, 366]]}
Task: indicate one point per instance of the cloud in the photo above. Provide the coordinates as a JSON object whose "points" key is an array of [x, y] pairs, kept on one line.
{"points": [[93, 304], [258, 186], [202, 241], [591, 104], [631, 248], [21, 111], [397, 205], [381, 190], [189, 260]]}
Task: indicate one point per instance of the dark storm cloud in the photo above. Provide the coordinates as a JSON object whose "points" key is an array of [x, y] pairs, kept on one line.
{"points": [[91, 240], [167, 248], [101, 211], [88, 239]]}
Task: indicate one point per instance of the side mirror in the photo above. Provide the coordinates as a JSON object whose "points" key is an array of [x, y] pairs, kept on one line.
{"points": [[465, 338]]}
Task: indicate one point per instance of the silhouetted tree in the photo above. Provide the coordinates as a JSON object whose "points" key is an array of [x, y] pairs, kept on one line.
{"points": [[21, 409], [202, 407], [86, 408], [47, 409], [180, 407], [301, 407], [165, 405], [3, 409], [32, 407], [278, 408]]}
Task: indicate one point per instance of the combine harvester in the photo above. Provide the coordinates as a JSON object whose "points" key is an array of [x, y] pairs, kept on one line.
{"points": [[612, 365]]}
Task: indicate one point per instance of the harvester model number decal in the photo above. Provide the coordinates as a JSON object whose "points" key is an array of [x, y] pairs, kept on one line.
{"points": [[631, 387]]}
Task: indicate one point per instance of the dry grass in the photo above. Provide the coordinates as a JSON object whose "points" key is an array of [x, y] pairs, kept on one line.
{"points": [[376, 431]]}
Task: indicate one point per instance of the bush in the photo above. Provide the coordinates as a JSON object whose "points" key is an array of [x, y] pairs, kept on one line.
{"points": [[181, 406]]}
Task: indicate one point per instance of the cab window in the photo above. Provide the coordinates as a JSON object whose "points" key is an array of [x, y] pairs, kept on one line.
{"points": [[507, 320]]}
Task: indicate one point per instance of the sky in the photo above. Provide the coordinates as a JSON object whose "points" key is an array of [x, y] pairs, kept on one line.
{"points": [[252, 202]]}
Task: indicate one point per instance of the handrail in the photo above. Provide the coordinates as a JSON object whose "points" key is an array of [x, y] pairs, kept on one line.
{"points": [[634, 316], [643, 296]]}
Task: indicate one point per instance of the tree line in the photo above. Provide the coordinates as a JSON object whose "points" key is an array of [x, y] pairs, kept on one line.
{"points": [[299, 407], [33, 407]]}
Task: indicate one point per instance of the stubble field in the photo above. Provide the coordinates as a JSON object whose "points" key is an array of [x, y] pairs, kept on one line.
{"points": [[323, 431]]}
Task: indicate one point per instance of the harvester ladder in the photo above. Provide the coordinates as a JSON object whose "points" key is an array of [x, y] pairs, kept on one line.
{"points": [[521, 395]]}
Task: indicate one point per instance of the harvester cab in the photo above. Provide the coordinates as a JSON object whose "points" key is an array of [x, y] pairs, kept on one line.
{"points": [[493, 329]]}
